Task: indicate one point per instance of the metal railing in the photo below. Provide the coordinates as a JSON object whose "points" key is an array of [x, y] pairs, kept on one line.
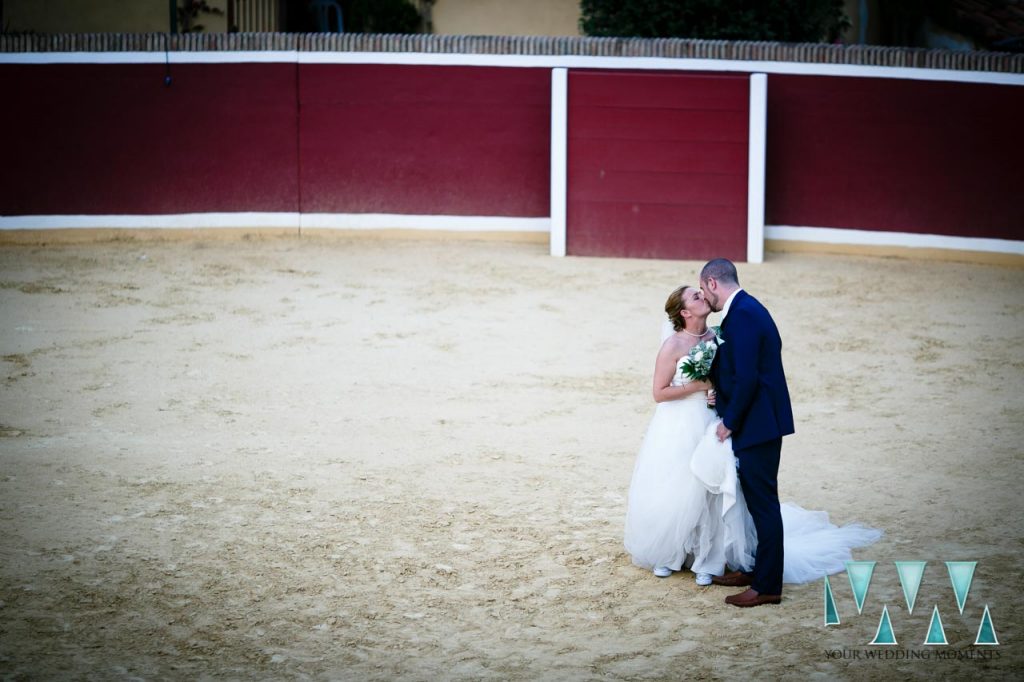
{"points": [[255, 16]]}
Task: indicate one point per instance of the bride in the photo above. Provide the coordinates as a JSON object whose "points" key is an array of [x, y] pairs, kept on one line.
{"points": [[685, 505]]}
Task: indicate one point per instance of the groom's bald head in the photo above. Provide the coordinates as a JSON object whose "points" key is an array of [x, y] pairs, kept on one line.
{"points": [[722, 271]]}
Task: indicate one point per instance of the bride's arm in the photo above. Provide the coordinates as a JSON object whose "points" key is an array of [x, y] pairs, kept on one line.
{"points": [[665, 369]]}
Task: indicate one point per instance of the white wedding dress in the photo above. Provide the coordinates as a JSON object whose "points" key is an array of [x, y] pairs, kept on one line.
{"points": [[686, 505]]}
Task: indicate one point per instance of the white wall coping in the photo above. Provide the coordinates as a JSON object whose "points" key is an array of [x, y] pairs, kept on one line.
{"points": [[500, 60]]}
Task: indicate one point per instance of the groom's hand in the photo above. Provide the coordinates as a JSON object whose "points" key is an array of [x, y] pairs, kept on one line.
{"points": [[723, 432]]}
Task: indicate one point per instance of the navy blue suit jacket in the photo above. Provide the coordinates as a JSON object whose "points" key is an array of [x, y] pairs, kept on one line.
{"points": [[752, 396]]}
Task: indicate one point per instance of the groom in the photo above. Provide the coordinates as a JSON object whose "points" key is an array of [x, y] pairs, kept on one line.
{"points": [[753, 401]]}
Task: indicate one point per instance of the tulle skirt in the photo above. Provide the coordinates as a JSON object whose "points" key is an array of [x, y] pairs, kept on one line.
{"points": [[672, 519], [815, 547], [686, 506]]}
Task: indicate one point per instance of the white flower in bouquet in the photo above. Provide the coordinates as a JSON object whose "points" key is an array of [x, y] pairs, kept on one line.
{"points": [[696, 366]]}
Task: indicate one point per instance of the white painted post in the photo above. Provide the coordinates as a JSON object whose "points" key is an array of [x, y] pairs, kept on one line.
{"points": [[559, 151], [755, 167]]}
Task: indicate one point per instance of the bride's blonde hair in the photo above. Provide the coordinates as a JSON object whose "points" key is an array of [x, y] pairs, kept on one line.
{"points": [[674, 307]]}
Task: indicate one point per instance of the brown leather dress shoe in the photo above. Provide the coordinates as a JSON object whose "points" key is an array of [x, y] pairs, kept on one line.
{"points": [[734, 579], [752, 598]]}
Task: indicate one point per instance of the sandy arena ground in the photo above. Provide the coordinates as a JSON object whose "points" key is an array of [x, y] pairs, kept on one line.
{"points": [[283, 458]]}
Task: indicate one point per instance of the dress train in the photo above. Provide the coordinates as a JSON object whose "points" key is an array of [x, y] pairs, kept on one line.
{"points": [[813, 546]]}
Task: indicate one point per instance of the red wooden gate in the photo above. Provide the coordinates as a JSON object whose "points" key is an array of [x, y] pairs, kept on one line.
{"points": [[657, 164]]}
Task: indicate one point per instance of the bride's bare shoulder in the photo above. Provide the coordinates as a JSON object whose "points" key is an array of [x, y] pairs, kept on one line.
{"points": [[674, 346]]}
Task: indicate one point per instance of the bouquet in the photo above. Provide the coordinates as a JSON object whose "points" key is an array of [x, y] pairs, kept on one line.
{"points": [[697, 365]]}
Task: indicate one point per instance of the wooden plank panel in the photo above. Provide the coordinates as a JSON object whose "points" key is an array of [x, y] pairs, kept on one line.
{"points": [[703, 189], [685, 232], [98, 139], [662, 156], [893, 155], [660, 90], [657, 165], [425, 140], [646, 123]]}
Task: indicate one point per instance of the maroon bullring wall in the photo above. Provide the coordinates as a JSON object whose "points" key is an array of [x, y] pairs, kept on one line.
{"points": [[448, 140], [880, 154], [112, 139], [651, 154], [657, 164]]}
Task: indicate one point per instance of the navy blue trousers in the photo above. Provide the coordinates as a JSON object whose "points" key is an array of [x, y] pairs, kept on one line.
{"points": [[759, 477]]}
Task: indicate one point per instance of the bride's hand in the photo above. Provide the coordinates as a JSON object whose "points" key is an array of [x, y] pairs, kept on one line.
{"points": [[711, 397], [700, 386]]}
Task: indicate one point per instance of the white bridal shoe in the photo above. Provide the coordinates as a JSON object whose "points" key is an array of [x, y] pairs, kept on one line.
{"points": [[663, 571], [703, 579]]}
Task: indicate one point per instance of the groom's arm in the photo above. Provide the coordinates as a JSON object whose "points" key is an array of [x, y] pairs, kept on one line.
{"points": [[746, 346]]}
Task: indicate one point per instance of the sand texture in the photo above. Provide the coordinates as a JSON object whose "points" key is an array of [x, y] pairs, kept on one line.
{"points": [[283, 458]]}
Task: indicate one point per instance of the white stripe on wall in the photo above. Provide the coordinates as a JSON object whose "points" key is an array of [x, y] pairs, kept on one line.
{"points": [[831, 235], [176, 220], [756, 144], [382, 221], [537, 61], [343, 221], [559, 158], [449, 223]]}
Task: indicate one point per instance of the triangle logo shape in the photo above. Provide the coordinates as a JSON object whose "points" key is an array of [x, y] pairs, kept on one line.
{"points": [[986, 632], [936, 633], [961, 573], [831, 613], [910, 573], [859, 573], [884, 636]]}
